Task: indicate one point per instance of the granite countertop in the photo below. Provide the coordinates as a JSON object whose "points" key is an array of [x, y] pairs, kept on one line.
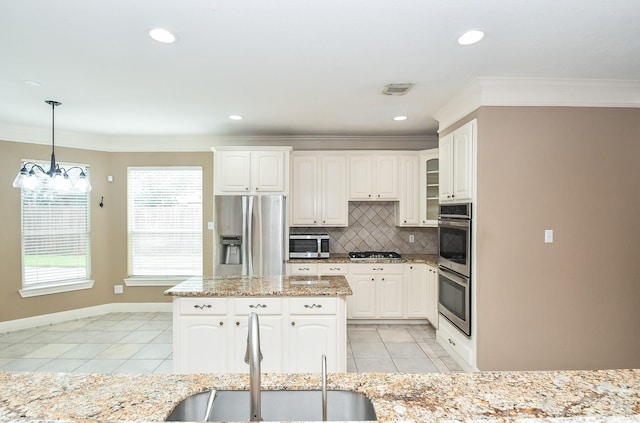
{"points": [[262, 286], [431, 259], [566, 396]]}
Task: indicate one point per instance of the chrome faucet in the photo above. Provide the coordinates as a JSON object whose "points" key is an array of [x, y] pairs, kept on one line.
{"points": [[252, 357]]}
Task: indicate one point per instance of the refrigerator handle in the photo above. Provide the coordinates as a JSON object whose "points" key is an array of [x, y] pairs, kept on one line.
{"points": [[247, 267]]}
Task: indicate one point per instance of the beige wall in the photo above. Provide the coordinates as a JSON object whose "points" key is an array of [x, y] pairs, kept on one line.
{"points": [[572, 304], [108, 227]]}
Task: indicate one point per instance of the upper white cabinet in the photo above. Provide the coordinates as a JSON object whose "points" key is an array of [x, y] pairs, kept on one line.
{"points": [[456, 164], [319, 189], [251, 170], [429, 187], [373, 176], [408, 206]]}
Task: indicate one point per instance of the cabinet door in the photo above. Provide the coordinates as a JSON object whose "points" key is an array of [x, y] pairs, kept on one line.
{"points": [[360, 177], [386, 176], [232, 171], [408, 208], [334, 203], [429, 188], [270, 344], [432, 295], [416, 290], [362, 304], [390, 296], [462, 161], [309, 338], [267, 171], [202, 346], [446, 168], [305, 193]]}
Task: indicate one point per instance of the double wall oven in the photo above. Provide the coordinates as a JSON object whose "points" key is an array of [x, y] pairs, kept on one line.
{"points": [[454, 265]]}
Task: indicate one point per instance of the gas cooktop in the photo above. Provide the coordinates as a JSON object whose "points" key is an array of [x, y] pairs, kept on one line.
{"points": [[373, 255]]}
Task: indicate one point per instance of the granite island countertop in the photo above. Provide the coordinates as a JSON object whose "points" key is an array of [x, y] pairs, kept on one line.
{"points": [[556, 396], [262, 286], [431, 259]]}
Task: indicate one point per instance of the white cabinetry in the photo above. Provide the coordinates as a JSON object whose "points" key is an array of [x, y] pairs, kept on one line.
{"points": [[378, 291], [456, 164], [319, 189], [408, 206], [204, 323], [251, 170], [429, 187], [415, 276], [373, 176], [210, 334], [456, 344], [432, 296], [313, 331]]}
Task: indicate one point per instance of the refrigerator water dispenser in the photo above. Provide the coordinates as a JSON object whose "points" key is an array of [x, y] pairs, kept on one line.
{"points": [[231, 249]]}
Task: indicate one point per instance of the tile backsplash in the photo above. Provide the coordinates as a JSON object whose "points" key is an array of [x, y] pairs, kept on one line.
{"points": [[372, 228]]}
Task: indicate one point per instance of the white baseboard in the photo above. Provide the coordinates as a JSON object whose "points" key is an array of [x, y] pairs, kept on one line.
{"points": [[81, 313]]}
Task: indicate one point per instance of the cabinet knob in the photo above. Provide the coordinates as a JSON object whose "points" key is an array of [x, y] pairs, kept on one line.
{"points": [[369, 195], [221, 323], [372, 279], [410, 267], [324, 221], [314, 221], [257, 188], [246, 189], [293, 323], [237, 323], [378, 195], [382, 278]]}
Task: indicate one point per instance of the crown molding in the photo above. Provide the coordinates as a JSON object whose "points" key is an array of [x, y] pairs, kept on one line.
{"points": [[539, 92], [195, 143]]}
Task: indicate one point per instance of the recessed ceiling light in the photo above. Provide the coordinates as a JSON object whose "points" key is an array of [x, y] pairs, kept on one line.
{"points": [[235, 117], [32, 83], [400, 118], [470, 37], [162, 36]]}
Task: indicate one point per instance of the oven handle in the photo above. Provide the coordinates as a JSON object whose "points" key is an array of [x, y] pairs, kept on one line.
{"points": [[457, 278], [455, 223]]}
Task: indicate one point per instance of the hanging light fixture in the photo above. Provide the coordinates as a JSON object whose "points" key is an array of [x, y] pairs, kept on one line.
{"points": [[60, 181]]}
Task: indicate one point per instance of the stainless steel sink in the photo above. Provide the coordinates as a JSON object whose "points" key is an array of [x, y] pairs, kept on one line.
{"points": [[277, 406]]}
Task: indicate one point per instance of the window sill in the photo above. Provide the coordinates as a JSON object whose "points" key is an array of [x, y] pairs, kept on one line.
{"points": [[155, 281], [55, 289]]}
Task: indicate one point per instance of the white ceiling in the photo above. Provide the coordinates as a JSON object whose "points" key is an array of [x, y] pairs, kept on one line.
{"points": [[290, 67]]}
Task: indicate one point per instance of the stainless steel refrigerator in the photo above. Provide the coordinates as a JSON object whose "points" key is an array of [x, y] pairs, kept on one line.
{"points": [[250, 235]]}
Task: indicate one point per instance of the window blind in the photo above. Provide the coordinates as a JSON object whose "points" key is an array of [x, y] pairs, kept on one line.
{"points": [[55, 234], [164, 221]]}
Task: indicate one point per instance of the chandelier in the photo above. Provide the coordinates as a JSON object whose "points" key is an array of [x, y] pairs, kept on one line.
{"points": [[60, 180]]}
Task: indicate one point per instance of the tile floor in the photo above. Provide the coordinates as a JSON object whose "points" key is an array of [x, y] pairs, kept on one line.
{"points": [[141, 343]]}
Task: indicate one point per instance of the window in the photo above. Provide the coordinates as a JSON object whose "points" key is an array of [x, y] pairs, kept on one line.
{"points": [[164, 222], [55, 238]]}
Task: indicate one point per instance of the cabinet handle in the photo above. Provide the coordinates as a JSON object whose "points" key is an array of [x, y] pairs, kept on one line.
{"points": [[303, 268], [378, 268], [334, 268], [257, 306], [451, 342], [293, 323], [202, 307], [313, 306]]}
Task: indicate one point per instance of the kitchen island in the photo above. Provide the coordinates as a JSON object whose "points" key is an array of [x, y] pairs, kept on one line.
{"points": [[301, 319], [563, 396]]}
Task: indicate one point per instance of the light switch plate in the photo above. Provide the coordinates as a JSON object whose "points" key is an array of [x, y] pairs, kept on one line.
{"points": [[548, 236]]}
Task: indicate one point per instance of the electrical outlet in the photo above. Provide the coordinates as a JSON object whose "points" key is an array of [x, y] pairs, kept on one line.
{"points": [[118, 289], [412, 238]]}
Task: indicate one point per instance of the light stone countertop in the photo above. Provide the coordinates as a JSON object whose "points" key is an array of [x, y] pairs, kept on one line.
{"points": [[431, 259], [564, 396], [262, 286]]}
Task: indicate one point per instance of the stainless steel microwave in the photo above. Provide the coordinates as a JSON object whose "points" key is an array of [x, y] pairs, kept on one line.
{"points": [[309, 246]]}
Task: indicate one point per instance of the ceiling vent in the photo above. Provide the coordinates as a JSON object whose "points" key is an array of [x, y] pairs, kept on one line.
{"points": [[397, 89]]}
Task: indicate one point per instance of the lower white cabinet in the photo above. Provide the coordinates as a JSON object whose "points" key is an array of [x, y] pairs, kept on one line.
{"points": [[432, 296], [416, 294], [210, 334], [378, 291]]}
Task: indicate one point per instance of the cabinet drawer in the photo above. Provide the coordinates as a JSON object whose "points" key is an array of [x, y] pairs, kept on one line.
{"points": [[456, 341], [312, 305], [334, 268], [262, 306], [202, 306], [377, 268], [304, 269]]}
